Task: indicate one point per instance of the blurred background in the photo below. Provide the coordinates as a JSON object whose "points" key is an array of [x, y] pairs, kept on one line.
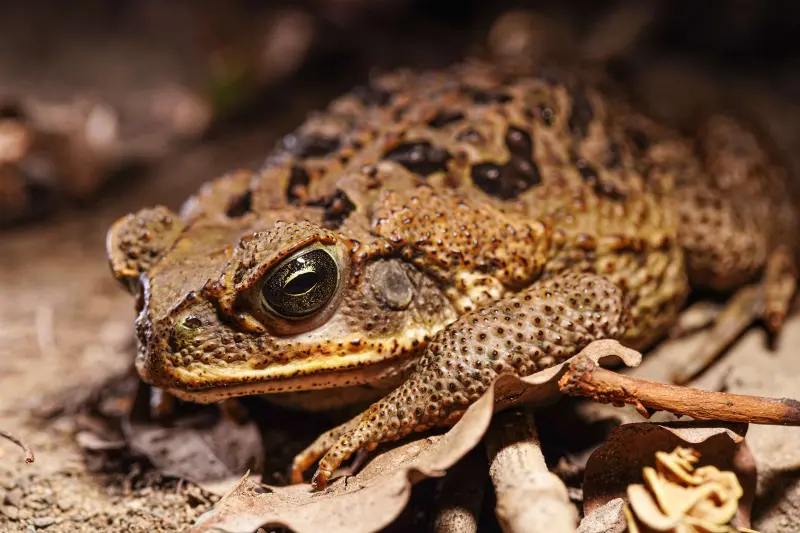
{"points": [[95, 96]]}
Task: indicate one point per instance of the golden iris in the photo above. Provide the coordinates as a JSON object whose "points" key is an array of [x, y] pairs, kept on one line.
{"points": [[302, 284]]}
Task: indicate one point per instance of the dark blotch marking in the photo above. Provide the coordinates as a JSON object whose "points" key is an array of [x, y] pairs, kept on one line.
{"points": [[601, 188], [519, 143], [420, 157], [337, 209], [581, 114], [240, 205], [312, 145], [172, 342], [794, 405], [515, 177], [298, 185], [485, 97], [445, 117], [372, 96]]}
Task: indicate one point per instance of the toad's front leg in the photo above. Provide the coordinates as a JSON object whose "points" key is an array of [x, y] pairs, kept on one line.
{"points": [[539, 327]]}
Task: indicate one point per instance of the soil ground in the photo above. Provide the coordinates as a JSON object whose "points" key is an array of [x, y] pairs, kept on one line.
{"points": [[65, 331]]}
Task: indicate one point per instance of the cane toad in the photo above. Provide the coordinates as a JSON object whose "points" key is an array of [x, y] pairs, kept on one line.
{"points": [[434, 230]]}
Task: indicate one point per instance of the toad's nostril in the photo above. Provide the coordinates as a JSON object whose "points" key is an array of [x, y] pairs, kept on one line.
{"points": [[185, 332], [191, 322]]}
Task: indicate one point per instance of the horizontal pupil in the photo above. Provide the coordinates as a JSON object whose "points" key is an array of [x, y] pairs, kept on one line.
{"points": [[301, 284]]}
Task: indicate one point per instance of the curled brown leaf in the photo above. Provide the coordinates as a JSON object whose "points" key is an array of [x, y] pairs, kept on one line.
{"points": [[619, 463], [373, 498]]}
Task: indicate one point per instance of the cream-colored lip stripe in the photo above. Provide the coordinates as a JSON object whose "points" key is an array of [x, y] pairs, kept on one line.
{"points": [[324, 380]]}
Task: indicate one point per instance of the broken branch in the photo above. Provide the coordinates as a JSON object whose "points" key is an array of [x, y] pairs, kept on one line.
{"points": [[585, 378], [529, 497]]}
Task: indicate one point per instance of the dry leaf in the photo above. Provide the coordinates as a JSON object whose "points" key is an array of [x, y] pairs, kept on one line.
{"points": [[632, 447], [374, 497], [608, 518], [206, 447], [211, 455]]}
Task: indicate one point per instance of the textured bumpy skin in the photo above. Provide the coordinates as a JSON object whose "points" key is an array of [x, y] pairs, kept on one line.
{"points": [[480, 222]]}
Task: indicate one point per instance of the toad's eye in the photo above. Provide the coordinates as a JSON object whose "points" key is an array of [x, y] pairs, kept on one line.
{"points": [[301, 285]]}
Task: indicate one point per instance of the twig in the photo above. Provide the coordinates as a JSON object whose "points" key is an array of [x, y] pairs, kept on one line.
{"points": [[744, 307], [585, 378], [18, 442], [700, 316], [461, 496], [529, 497]]}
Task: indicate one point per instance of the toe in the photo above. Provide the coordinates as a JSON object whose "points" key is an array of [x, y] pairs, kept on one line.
{"points": [[303, 460]]}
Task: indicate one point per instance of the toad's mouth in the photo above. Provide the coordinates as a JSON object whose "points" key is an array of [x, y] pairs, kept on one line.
{"points": [[213, 384]]}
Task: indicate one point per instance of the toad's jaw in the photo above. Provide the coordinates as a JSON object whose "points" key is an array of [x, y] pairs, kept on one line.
{"points": [[209, 383], [388, 371]]}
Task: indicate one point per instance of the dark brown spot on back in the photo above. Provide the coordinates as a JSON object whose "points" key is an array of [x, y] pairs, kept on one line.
{"points": [[240, 205], [337, 209], [515, 177], [10, 110], [519, 143], [312, 145], [420, 157], [609, 190], [587, 171], [445, 117], [297, 190], [601, 188]]}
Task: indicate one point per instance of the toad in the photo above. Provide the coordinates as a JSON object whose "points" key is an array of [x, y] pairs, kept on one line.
{"points": [[434, 230]]}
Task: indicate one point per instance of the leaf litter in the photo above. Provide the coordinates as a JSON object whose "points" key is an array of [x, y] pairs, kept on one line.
{"points": [[375, 496], [371, 499], [209, 451]]}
